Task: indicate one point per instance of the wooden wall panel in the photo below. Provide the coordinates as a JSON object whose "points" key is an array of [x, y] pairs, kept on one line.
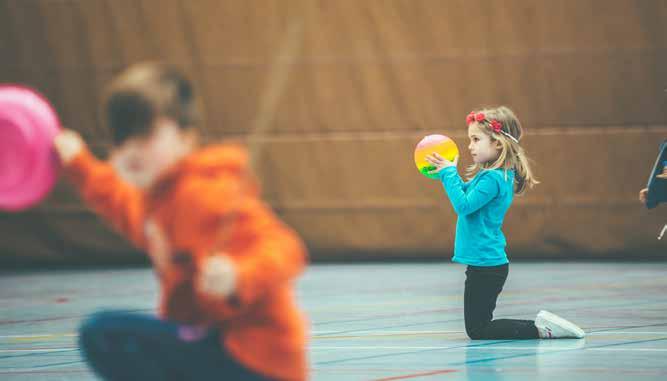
{"points": [[337, 93]]}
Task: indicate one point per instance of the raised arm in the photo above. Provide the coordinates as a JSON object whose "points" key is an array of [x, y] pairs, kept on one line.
{"points": [[100, 187], [464, 198]]}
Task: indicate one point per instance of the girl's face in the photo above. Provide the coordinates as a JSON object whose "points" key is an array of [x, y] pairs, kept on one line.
{"points": [[141, 160], [482, 148]]}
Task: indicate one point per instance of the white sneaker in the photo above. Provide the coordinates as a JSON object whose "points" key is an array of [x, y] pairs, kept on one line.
{"points": [[551, 326]]}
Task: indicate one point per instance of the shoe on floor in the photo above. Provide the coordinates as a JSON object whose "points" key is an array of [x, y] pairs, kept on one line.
{"points": [[551, 326]]}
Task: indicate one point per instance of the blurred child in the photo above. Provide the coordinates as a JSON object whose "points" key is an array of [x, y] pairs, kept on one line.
{"points": [[500, 170], [658, 178], [656, 190], [644, 192], [225, 262]]}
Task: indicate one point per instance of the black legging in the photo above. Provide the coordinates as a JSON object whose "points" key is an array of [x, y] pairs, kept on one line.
{"points": [[482, 287], [129, 346]]}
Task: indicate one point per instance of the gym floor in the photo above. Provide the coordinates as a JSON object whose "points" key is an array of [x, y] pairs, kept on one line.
{"points": [[390, 321]]}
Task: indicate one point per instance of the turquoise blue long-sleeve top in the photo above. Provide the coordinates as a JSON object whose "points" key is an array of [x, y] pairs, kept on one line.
{"points": [[481, 205]]}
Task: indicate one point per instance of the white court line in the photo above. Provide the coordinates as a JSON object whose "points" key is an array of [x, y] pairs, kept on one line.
{"points": [[628, 349], [404, 347], [390, 332], [412, 332], [312, 333], [372, 333], [550, 349], [369, 333], [483, 347], [625, 333], [371, 348]]}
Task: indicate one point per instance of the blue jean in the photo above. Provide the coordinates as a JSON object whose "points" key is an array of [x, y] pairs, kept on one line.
{"points": [[129, 346]]}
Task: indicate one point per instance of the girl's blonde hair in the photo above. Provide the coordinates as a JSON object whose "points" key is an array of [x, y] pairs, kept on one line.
{"points": [[512, 155]]}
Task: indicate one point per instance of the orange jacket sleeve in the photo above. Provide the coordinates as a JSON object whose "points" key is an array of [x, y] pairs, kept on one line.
{"points": [[109, 196]]}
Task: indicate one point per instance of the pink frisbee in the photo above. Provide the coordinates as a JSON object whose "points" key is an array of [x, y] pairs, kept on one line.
{"points": [[28, 162]]}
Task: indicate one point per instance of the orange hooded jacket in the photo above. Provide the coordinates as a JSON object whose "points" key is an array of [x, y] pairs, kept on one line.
{"points": [[207, 204]]}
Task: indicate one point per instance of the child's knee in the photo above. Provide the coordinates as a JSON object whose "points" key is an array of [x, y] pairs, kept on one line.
{"points": [[474, 334], [476, 331]]}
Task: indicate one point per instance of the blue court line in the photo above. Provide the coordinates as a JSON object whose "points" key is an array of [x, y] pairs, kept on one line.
{"points": [[427, 350], [412, 352], [503, 316], [628, 327], [388, 326], [42, 372], [71, 317], [534, 353], [626, 343], [58, 364], [43, 366], [38, 353], [489, 344], [396, 315]]}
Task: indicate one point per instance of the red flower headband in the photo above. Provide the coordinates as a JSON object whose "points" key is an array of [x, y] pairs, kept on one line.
{"points": [[495, 125]]}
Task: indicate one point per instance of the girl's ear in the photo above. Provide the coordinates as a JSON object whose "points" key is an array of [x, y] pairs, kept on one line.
{"points": [[499, 145]]}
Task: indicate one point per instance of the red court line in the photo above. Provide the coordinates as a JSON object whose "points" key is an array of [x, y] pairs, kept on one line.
{"points": [[415, 375]]}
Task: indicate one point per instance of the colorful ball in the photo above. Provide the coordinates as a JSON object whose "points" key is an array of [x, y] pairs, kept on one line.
{"points": [[430, 144], [28, 162]]}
